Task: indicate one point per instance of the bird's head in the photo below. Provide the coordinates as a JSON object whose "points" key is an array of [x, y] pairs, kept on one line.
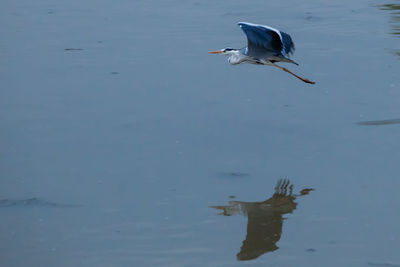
{"points": [[225, 51], [234, 54]]}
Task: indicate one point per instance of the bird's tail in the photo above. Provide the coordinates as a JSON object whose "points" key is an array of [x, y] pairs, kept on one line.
{"points": [[284, 59]]}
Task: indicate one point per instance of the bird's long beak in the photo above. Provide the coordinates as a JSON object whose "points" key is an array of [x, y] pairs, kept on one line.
{"points": [[215, 52]]}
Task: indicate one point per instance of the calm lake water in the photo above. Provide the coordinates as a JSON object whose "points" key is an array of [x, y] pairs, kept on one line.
{"points": [[123, 143]]}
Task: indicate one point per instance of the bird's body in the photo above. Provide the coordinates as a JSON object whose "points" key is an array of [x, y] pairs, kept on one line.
{"points": [[265, 46]]}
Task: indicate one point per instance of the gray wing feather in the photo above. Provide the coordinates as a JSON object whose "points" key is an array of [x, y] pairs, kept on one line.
{"points": [[287, 43], [263, 41]]}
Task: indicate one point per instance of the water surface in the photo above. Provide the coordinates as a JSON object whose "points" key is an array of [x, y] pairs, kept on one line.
{"points": [[116, 107]]}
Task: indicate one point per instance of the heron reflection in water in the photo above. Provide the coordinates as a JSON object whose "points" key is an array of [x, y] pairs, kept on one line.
{"points": [[265, 219]]}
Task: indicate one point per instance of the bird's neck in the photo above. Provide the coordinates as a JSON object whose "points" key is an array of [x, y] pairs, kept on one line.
{"points": [[234, 57]]}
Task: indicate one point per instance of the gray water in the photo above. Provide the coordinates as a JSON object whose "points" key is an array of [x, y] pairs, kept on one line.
{"points": [[123, 143]]}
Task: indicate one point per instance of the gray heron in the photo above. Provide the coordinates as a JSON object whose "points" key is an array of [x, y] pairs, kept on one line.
{"points": [[265, 46]]}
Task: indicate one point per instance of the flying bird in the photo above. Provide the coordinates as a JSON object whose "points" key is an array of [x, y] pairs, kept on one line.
{"points": [[265, 46]]}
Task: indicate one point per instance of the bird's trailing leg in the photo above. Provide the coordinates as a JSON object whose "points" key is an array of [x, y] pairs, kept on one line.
{"points": [[288, 71]]}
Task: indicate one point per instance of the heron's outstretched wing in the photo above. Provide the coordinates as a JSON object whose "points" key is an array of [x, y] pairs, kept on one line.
{"points": [[264, 40]]}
